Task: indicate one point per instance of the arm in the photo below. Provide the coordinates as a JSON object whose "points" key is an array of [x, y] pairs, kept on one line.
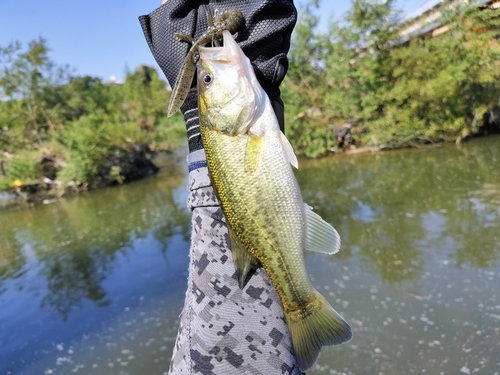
{"points": [[224, 329]]}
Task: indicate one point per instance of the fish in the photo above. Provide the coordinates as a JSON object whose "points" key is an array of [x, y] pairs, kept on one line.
{"points": [[229, 19], [250, 164]]}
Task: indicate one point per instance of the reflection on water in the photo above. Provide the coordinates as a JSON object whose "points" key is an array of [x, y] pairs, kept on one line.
{"points": [[420, 272], [68, 270], [94, 284], [396, 206]]}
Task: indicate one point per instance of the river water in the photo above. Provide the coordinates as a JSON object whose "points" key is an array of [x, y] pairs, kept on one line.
{"points": [[94, 284]]}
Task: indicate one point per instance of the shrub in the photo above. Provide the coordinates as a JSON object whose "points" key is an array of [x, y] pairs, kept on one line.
{"points": [[23, 166]]}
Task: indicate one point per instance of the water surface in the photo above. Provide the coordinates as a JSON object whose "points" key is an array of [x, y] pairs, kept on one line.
{"points": [[94, 284]]}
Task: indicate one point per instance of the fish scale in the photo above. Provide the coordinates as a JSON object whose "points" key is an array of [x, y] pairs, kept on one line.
{"points": [[243, 192]]}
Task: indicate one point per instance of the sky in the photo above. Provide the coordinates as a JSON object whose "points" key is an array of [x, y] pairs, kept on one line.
{"points": [[103, 38]]}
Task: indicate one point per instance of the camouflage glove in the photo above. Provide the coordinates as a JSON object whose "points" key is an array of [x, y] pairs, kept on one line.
{"points": [[224, 329]]}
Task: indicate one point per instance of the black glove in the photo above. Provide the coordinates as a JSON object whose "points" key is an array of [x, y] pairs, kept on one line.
{"points": [[264, 37]]}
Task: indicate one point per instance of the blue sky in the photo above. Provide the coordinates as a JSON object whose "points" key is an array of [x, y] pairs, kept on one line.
{"points": [[101, 37]]}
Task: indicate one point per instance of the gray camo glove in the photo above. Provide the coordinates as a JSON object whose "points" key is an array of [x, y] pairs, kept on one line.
{"points": [[224, 329]]}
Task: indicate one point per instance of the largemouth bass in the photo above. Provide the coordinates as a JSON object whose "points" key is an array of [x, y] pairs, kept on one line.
{"points": [[250, 160]]}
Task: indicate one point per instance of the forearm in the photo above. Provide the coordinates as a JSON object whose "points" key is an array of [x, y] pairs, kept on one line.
{"points": [[223, 327]]}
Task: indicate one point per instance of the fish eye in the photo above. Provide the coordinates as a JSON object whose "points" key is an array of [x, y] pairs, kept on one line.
{"points": [[207, 78]]}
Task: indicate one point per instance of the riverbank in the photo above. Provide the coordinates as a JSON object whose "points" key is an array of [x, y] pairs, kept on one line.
{"points": [[76, 133], [142, 165], [132, 166]]}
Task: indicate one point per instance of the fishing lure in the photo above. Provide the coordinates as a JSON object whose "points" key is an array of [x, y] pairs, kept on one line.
{"points": [[229, 19]]}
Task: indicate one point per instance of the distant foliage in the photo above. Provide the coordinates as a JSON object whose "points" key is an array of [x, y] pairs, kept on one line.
{"points": [[304, 90], [78, 131], [71, 131], [394, 94]]}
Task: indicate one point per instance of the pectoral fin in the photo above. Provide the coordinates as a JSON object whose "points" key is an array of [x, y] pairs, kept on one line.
{"points": [[321, 236], [243, 260], [289, 153], [252, 155]]}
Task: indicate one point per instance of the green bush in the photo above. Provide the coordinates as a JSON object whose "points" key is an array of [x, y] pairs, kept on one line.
{"points": [[5, 183], [24, 166], [90, 142], [89, 132], [431, 89]]}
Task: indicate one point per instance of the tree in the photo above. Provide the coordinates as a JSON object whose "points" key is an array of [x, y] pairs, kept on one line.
{"points": [[145, 97], [395, 94], [336, 77], [79, 131], [444, 85], [304, 88], [27, 81]]}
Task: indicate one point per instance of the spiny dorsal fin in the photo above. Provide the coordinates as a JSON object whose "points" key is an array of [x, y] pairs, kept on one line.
{"points": [[321, 236], [243, 260], [289, 153]]}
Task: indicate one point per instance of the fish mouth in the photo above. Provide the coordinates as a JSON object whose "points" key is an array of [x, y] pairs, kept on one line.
{"points": [[243, 90], [213, 60], [224, 53]]}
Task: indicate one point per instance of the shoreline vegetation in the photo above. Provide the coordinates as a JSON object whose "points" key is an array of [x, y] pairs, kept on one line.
{"points": [[353, 88], [360, 81], [63, 134]]}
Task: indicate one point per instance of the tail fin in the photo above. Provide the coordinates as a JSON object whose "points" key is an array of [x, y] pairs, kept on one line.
{"points": [[310, 329]]}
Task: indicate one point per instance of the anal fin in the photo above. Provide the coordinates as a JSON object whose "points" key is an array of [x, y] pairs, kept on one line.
{"points": [[243, 260]]}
